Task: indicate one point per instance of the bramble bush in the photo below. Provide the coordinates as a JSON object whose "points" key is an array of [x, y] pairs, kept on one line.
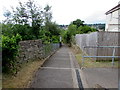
{"points": [[9, 53]]}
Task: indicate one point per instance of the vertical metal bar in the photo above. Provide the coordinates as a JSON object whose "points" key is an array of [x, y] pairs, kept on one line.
{"points": [[82, 61], [113, 56], [83, 56]]}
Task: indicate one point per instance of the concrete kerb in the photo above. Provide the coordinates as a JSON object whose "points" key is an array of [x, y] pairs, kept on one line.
{"points": [[75, 83], [83, 79], [45, 59]]}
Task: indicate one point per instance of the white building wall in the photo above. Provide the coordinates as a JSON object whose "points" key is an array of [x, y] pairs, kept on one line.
{"points": [[112, 21]]}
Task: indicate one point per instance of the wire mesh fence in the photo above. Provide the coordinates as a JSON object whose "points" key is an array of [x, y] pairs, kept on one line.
{"points": [[48, 49]]}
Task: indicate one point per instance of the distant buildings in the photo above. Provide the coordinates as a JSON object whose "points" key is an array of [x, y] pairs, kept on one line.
{"points": [[99, 26], [113, 19], [65, 27]]}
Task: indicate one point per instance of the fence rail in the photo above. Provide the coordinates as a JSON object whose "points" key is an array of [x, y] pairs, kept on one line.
{"points": [[112, 56], [99, 39], [101, 47]]}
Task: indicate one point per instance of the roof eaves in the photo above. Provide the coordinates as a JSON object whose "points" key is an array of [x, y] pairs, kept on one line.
{"points": [[113, 9]]}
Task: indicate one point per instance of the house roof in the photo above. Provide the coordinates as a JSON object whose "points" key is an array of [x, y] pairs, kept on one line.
{"points": [[113, 9]]}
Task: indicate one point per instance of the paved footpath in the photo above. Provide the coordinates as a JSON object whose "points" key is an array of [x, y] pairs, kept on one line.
{"points": [[62, 71], [59, 71], [105, 77]]}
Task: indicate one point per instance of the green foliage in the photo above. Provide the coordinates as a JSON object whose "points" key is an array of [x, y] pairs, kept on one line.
{"points": [[78, 23], [76, 27], [62, 34], [38, 18], [55, 39], [9, 52], [98, 26], [26, 22], [85, 29], [72, 29], [27, 12], [25, 31], [69, 33], [7, 30], [50, 33], [52, 28], [47, 14], [67, 37]]}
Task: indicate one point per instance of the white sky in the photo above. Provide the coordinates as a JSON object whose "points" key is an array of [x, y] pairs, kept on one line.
{"points": [[65, 11]]}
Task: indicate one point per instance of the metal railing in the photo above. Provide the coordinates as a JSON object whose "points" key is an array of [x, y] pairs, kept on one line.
{"points": [[48, 49], [112, 56]]}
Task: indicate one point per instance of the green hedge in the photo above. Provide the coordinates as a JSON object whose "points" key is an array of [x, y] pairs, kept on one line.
{"points": [[9, 53]]}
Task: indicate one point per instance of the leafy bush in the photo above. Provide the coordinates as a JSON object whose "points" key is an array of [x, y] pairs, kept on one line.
{"points": [[76, 27], [55, 39], [85, 29], [24, 30], [7, 30], [28, 21], [9, 52]]}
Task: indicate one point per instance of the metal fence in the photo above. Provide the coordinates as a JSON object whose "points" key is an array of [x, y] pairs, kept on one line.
{"points": [[48, 49], [111, 56], [99, 39]]}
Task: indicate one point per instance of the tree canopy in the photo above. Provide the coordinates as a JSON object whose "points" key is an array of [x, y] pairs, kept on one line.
{"points": [[76, 27], [28, 21], [78, 23]]}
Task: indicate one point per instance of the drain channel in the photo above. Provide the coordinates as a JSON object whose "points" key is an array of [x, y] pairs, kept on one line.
{"points": [[79, 80]]}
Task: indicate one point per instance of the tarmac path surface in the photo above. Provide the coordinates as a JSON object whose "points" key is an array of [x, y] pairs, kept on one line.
{"points": [[59, 71], [105, 77]]}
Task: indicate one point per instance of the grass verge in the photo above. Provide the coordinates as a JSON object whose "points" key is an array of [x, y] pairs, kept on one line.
{"points": [[23, 77]]}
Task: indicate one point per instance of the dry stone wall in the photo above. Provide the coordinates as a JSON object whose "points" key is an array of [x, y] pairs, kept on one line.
{"points": [[30, 50]]}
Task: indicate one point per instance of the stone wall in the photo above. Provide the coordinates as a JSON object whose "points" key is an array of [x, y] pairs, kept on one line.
{"points": [[30, 50], [35, 50]]}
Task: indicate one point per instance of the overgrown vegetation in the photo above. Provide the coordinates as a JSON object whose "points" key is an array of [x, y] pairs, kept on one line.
{"points": [[28, 21], [9, 52], [76, 27]]}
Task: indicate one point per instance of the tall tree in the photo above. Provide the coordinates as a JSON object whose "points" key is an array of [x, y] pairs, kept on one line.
{"points": [[78, 23], [47, 17], [35, 15], [28, 13], [8, 15], [47, 14]]}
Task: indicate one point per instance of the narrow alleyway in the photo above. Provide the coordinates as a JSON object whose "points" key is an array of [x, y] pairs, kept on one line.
{"points": [[59, 71]]}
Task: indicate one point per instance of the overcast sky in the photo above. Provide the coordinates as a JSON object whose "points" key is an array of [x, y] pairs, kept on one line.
{"points": [[65, 11]]}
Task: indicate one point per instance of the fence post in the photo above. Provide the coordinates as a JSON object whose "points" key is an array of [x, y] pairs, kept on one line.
{"points": [[82, 61], [83, 56], [113, 56]]}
